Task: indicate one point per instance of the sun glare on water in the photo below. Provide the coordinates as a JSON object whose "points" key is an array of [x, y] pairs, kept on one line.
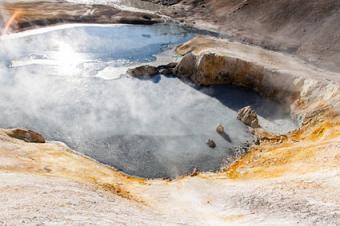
{"points": [[67, 59], [11, 21]]}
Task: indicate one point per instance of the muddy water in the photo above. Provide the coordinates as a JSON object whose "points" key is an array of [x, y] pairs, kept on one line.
{"points": [[69, 83]]}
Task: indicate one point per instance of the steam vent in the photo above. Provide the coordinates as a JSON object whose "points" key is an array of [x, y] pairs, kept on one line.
{"points": [[195, 112]]}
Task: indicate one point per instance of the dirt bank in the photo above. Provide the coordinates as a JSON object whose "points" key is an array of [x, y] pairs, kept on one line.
{"points": [[29, 15]]}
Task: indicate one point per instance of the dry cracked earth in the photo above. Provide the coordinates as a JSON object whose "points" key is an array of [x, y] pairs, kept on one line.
{"points": [[285, 50]]}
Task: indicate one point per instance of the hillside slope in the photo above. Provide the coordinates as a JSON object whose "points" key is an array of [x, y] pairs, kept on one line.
{"points": [[309, 29]]}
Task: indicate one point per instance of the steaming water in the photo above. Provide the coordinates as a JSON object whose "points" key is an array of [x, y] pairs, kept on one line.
{"points": [[66, 82]]}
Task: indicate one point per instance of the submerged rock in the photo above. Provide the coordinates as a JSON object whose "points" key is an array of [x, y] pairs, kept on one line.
{"points": [[143, 71], [26, 135], [249, 117]]}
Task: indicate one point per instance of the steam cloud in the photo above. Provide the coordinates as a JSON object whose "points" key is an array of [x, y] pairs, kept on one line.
{"points": [[66, 84]]}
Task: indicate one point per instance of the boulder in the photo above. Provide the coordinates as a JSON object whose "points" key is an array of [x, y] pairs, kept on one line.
{"points": [[220, 129], [186, 68], [143, 71], [249, 117], [211, 143], [166, 71], [169, 65], [25, 135]]}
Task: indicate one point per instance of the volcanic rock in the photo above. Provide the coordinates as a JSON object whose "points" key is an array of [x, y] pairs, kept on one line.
{"points": [[249, 117], [220, 129], [167, 69], [211, 143], [25, 135], [143, 71], [169, 65], [186, 67]]}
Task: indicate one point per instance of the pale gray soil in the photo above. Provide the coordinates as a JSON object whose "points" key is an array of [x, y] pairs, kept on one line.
{"points": [[308, 200], [35, 200], [309, 29]]}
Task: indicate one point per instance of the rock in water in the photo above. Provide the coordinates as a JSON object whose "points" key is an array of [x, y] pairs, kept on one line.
{"points": [[186, 68], [249, 117], [25, 135], [220, 129], [171, 65], [194, 172], [167, 69], [211, 143], [143, 71], [166, 72]]}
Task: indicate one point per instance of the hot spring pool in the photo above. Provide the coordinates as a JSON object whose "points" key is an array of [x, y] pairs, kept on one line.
{"points": [[69, 84]]}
